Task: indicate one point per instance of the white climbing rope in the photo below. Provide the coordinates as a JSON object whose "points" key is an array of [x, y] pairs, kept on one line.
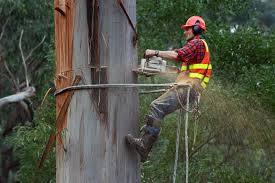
{"points": [[177, 147], [186, 138]]}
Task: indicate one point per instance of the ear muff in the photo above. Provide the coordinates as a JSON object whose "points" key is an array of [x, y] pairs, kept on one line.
{"points": [[196, 28]]}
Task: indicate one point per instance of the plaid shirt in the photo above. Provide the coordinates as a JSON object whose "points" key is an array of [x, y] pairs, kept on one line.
{"points": [[193, 51]]}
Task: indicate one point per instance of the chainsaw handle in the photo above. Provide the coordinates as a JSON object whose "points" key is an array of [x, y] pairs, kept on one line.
{"points": [[151, 53], [146, 57]]}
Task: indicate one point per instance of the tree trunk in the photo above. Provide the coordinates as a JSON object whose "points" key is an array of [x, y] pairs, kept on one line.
{"points": [[94, 40]]}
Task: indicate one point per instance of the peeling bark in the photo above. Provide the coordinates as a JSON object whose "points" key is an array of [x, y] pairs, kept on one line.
{"points": [[60, 5]]}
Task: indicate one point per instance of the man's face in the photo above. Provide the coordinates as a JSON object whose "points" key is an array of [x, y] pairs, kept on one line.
{"points": [[188, 34]]}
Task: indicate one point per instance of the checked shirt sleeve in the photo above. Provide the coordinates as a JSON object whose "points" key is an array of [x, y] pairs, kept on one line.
{"points": [[193, 51]]}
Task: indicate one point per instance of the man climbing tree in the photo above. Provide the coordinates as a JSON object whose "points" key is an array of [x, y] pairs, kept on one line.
{"points": [[194, 75]]}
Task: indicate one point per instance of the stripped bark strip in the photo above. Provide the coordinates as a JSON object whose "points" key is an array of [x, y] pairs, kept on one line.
{"points": [[127, 15], [45, 96], [129, 20], [50, 142], [64, 27], [61, 116], [59, 124], [60, 6]]}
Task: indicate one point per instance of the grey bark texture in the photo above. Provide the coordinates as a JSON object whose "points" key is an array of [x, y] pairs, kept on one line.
{"points": [[95, 147]]}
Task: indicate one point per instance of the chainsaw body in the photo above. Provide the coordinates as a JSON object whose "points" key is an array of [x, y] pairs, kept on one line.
{"points": [[154, 66]]}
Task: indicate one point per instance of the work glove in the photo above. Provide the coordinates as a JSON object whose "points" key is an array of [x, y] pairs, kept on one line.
{"points": [[150, 53]]}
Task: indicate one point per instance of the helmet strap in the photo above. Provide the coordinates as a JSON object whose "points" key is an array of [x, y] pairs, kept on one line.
{"points": [[191, 38]]}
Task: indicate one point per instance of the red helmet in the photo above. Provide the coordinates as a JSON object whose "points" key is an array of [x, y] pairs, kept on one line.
{"points": [[195, 20]]}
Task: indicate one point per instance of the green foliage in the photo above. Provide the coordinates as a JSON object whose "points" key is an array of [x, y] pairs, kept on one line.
{"points": [[36, 19], [159, 21], [246, 60], [231, 143], [28, 145], [245, 56], [237, 109]]}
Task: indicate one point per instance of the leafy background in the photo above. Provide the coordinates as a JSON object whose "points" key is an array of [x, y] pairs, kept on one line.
{"points": [[232, 141]]}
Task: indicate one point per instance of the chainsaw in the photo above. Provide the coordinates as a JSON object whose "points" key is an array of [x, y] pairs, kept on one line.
{"points": [[155, 66]]}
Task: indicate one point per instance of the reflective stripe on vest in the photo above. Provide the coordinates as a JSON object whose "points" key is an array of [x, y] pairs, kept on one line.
{"points": [[199, 76], [203, 84], [183, 68], [200, 66], [196, 75], [206, 80], [194, 68]]}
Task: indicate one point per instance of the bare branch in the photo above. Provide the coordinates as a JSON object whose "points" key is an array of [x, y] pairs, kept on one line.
{"points": [[11, 76], [228, 156], [45, 96], [7, 77], [37, 46], [202, 145], [7, 20], [24, 59], [3, 28], [29, 92]]}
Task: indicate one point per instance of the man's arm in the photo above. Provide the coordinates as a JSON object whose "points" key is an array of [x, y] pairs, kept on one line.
{"points": [[194, 50], [171, 55]]}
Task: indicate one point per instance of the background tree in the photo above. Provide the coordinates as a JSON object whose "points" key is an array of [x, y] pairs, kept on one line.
{"points": [[237, 109], [35, 18]]}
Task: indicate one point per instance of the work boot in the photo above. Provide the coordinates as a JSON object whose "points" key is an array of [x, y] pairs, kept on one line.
{"points": [[144, 144]]}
